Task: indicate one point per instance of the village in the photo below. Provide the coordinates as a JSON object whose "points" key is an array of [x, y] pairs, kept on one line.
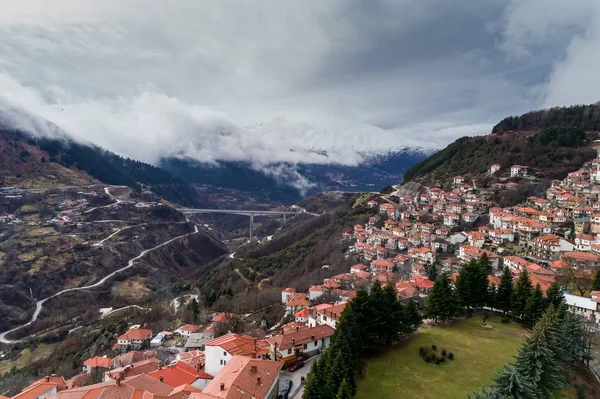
{"points": [[411, 241]]}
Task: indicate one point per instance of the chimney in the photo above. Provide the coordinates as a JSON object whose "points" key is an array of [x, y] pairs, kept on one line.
{"points": [[297, 328], [161, 379], [121, 376], [258, 381], [293, 341], [47, 378], [312, 337], [118, 382], [198, 366], [253, 369], [222, 386], [160, 366]]}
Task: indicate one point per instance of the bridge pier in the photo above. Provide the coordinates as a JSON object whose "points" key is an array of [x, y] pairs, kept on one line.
{"points": [[251, 226]]}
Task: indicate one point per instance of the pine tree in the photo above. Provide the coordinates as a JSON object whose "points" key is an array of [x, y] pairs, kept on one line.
{"points": [[315, 382], [412, 318], [441, 302], [485, 264], [472, 284], [377, 331], [596, 282], [487, 393], [537, 363], [521, 294], [394, 314], [505, 290], [491, 296], [534, 306], [554, 296], [512, 384], [432, 272], [345, 391]]}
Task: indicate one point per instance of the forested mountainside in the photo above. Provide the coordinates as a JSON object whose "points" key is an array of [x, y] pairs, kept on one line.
{"points": [[553, 142], [44, 162], [304, 252]]}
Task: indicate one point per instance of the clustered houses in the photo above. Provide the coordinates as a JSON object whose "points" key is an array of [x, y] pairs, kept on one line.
{"points": [[548, 235]]}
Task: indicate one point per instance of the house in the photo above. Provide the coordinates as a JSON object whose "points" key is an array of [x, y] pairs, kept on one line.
{"points": [[423, 255], [131, 370], [222, 349], [140, 386], [187, 329], [286, 294], [314, 292], [587, 307], [548, 247], [581, 260], [132, 357], [451, 219], [519, 170], [329, 315], [583, 242], [359, 268], [46, 387], [458, 180], [197, 340], [97, 362], [495, 168], [458, 238], [180, 373], [469, 217], [476, 238], [301, 316], [244, 378], [306, 341], [297, 302], [134, 338], [382, 266]]}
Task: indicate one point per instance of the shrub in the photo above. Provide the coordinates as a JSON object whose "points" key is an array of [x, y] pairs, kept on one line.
{"points": [[434, 347], [444, 353], [451, 356]]}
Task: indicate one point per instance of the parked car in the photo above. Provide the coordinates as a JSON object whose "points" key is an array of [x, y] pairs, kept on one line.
{"points": [[296, 365], [287, 386]]}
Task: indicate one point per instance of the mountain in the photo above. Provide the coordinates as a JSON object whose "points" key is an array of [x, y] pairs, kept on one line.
{"points": [[553, 142], [289, 183]]}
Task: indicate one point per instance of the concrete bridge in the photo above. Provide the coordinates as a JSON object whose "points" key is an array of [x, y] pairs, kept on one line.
{"points": [[244, 212]]}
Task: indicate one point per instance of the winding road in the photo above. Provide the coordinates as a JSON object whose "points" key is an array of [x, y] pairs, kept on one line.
{"points": [[40, 304]]}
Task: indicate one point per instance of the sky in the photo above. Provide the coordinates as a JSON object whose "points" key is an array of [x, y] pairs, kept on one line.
{"points": [[290, 81]]}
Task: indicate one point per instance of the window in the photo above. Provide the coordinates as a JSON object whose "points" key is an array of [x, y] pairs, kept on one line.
{"points": [[316, 343], [221, 362], [305, 346], [290, 351], [224, 353]]}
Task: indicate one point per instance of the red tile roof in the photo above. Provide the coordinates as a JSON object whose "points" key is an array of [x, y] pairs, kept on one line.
{"points": [[285, 341], [97, 361], [136, 334], [179, 374], [236, 344]]}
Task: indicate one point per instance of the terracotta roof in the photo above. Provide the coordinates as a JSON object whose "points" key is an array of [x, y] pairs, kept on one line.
{"points": [[242, 378], [285, 341], [333, 312], [315, 288], [298, 300], [97, 361], [581, 256], [138, 387], [40, 387], [132, 357], [235, 344], [303, 313], [289, 290], [223, 317], [137, 368], [179, 374], [135, 334], [189, 328]]}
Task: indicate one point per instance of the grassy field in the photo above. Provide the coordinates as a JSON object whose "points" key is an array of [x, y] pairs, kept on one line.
{"points": [[479, 353]]}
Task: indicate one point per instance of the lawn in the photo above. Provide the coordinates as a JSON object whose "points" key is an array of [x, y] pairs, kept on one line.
{"points": [[479, 353]]}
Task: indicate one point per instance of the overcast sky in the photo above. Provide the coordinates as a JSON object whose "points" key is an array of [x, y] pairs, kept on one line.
{"points": [[268, 81]]}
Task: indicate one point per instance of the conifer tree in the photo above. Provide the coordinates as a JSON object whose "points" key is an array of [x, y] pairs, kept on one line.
{"points": [[491, 296], [432, 272], [345, 391], [441, 302], [554, 296], [411, 319], [537, 362], [472, 284], [512, 384], [521, 293], [505, 290], [534, 306], [596, 282]]}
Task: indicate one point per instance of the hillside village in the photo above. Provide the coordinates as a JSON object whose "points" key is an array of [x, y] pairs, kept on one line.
{"points": [[409, 242]]}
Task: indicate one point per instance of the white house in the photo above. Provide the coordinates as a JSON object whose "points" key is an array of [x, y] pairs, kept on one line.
{"points": [[519, 170], [219, 351], [494, 168], [458, 180], [587, 307], [286, 347], [134, 338], [187, 329], [286, 294], [314, 292]]}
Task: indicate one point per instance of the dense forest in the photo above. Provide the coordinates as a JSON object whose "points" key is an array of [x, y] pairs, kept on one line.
{"points": [[553, 142]]}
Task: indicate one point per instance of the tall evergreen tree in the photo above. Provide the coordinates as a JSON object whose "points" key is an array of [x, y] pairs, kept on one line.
{"points": [[537, 362], [555, 295], [505, 290], [485, 264], [345, 391], [432, 272], [596, 282], [521, 293], [411, 319], [472, 284], [534, 306], [441, 301], [491, 297], [394, 313], [512, 384]]}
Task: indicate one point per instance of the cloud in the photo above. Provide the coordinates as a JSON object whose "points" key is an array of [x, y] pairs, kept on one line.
{"points": [[269, 82]]}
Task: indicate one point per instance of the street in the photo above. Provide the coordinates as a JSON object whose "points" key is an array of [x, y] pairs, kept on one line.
{"points": [[296, 376]]}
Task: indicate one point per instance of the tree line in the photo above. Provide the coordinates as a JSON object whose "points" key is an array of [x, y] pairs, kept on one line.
{"points": [[372, 320], [472, 290], [558, 340]]}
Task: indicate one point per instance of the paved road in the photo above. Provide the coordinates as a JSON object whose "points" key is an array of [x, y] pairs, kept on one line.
{"points": [[40, 304], [296, 377]]}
